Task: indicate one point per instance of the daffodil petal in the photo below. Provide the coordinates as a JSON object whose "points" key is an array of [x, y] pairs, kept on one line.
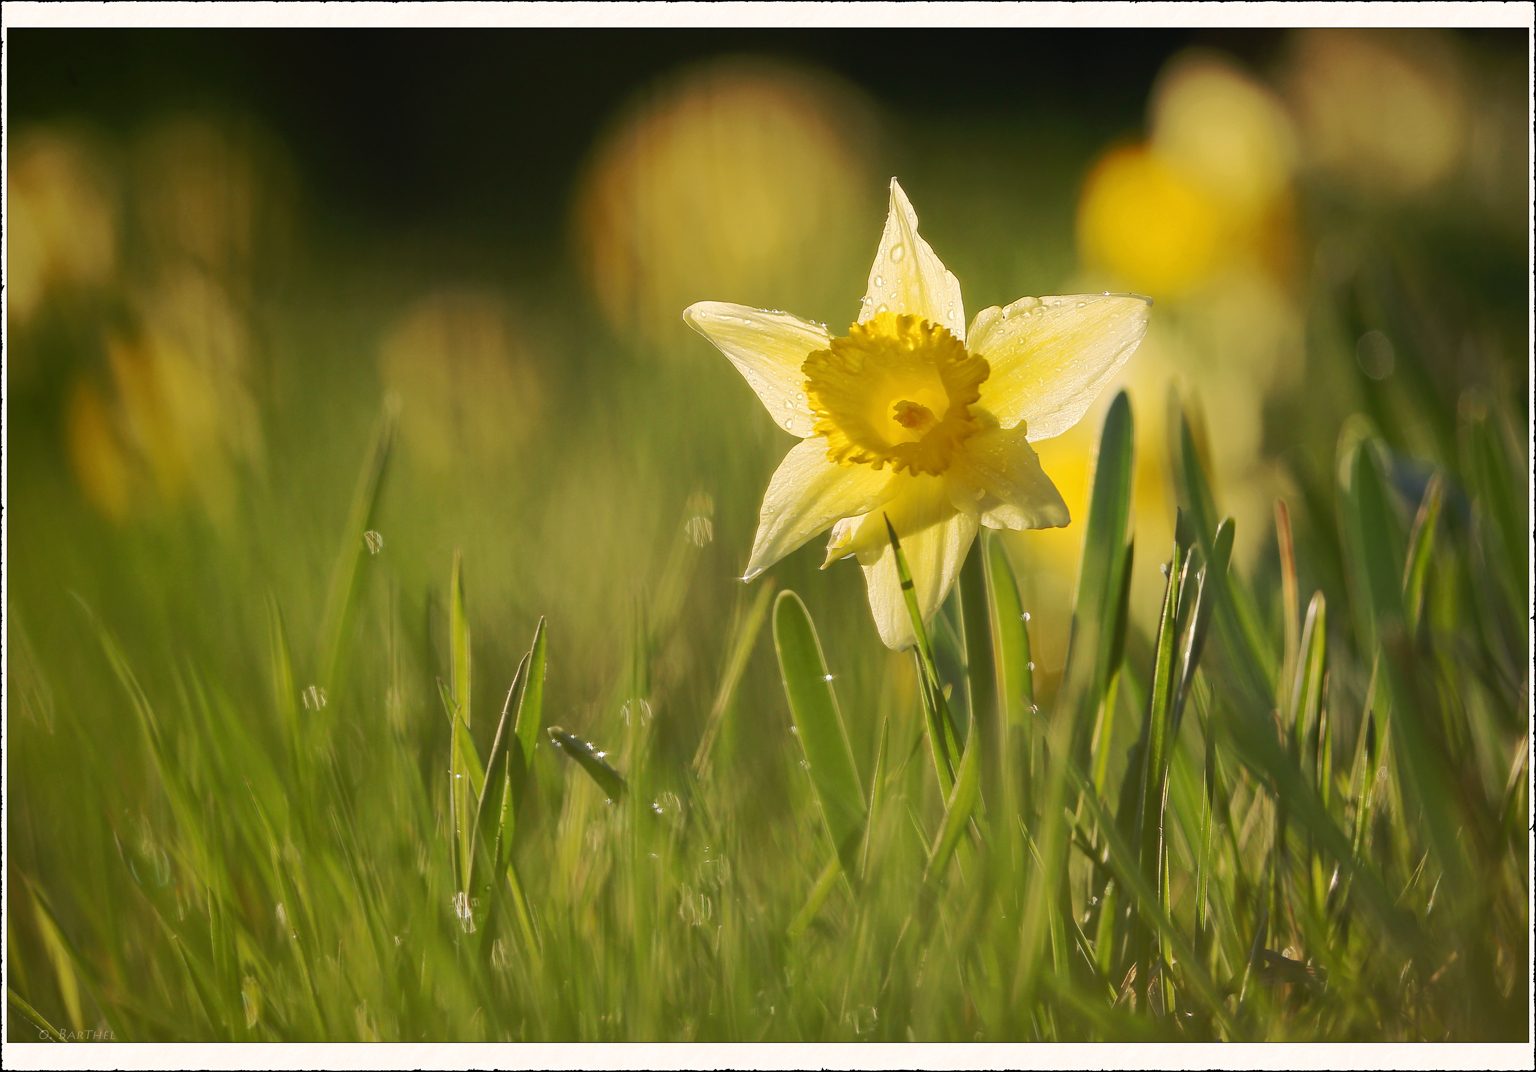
{"points": [[808, 493], [1000, 478], [918, 504], [934, 557], [768, 349], [908, 277], [1051, 357]]}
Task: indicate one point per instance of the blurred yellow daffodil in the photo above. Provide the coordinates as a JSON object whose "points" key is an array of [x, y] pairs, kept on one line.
{"points": [[912, 417]]}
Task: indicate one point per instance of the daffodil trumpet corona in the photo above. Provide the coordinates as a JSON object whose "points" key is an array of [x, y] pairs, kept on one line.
{"points": [[912, 416]]}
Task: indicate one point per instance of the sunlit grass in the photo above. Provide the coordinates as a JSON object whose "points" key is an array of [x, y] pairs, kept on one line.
{"points": [[528, 763]]}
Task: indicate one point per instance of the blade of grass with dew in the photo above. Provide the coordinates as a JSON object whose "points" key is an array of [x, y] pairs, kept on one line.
{"points": [[346, 575], [589, 759], [1085, 678], [466, 777], [819, 727], [494, 803], [1014, 685], [33, 1017]]}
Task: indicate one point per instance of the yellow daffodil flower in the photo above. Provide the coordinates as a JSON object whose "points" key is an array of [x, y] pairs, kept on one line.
{"points": [[912, 417]]}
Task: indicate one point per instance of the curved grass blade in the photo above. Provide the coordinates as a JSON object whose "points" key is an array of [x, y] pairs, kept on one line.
{"points": [[819, 725], [1421, 545], [1015, 686], [1235, 613], [32, 1016], [938, 720], [346, 575], [957, 812], [824, 883], [980, 666], [589, 759]]}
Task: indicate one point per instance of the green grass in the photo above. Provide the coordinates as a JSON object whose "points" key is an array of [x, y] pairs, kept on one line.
{"points": [[1276, 859], [540, 769]]}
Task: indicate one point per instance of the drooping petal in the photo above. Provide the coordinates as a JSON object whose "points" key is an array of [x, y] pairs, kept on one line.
{"points": [[807, 494], [1051, 357], [999, 477], [908, 277], [934, 557], [768, 349], [919, 503]]}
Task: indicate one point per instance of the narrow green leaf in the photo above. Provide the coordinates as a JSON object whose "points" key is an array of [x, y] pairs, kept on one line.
{"points": [[819, 725], [492, 806], [1237, 620], [1085, 680], [1307, 691], [1096, 620], [347, 573], [937, 718], [876, 795], [589, 759], [33, 1017], [529, 712], [957, 811], [1421, 546], [824, 883], [1154, 773], [981, 666], [1014, 684]]}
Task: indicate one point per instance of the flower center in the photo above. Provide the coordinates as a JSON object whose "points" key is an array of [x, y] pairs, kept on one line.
{"points": [[896, 390]]}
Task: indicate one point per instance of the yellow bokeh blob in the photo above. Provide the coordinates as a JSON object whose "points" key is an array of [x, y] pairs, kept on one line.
{"points": [[173, 416], [1384, 111], [741, 177], [60, 219], [1145, 222], [217, 191]]}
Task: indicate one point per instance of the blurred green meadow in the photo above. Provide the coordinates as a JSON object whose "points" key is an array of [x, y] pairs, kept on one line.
{"points": [[340, 403]]}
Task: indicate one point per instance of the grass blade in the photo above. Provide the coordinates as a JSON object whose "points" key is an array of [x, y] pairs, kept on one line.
{"points": [[1090, 653], [1421, 546], [937, 717], [589, 759], [819, 725], [346, 575]]}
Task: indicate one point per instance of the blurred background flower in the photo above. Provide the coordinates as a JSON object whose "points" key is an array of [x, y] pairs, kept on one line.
{"points": [[61, 225], [164, 366], [1385, 112], [741, 176]]}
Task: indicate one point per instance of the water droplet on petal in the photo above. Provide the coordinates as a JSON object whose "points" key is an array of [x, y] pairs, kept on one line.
{"points": [[1031, 666], [897, 252], [879, 282], [1026, 616], [883, 308]]}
